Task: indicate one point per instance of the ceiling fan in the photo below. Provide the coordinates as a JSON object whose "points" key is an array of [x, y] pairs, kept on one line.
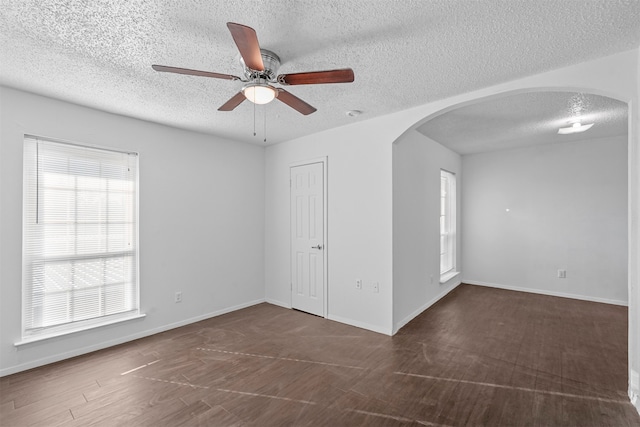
{"points": [[260, 68]]}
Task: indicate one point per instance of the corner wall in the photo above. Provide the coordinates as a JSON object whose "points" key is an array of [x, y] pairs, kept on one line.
{"points": [[634, 240], [530, 212], [201, 223], [417, 161], [359, 221]]}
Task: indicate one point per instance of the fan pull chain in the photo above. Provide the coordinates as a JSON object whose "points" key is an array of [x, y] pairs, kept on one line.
{"points": [[265, 123], [254, 119]]}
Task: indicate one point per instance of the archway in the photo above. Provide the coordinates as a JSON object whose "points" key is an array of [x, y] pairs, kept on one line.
{"points": [[411, 133]]}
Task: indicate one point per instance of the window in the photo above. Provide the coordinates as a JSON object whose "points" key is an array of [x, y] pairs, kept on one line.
{"points": [[80, 252], [447, 225]]}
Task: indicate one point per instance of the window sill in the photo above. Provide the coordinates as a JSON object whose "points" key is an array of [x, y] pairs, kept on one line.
{"points": [[444, 278], [30, 340]]}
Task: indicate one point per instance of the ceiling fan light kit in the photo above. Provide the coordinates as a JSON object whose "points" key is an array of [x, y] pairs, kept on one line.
{"points": [[260, 67], [259, 93], [576, 127]]}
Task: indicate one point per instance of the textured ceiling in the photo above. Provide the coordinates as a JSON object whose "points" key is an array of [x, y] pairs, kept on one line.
{"points": [[525, 119], [404, 53]]}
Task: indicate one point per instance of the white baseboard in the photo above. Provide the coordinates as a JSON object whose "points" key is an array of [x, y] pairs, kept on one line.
{"points": [[344, 320], [635, 400], [425, 306], [88, 349], [362, 325], [546, 292], [278, 303], [634, 389]]}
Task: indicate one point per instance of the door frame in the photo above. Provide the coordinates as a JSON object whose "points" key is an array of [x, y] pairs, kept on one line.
{"points": [[325, 258]]}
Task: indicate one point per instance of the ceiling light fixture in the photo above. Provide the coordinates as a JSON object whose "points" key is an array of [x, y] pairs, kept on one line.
{"points": [[259, 93], [576, 127]]}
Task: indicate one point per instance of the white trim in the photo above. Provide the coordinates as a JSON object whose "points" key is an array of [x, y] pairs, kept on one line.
{"points": [[451, 221], [84, 350], [444, 278], [278, 303], [634, 389], [325, 252], [362, 325], [36, 338], [308, 162], [546, 292], [428, 304], [635, 400], [78, 144]]}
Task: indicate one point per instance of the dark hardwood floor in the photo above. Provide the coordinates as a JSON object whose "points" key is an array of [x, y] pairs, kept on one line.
{"points": [[479, 357]]}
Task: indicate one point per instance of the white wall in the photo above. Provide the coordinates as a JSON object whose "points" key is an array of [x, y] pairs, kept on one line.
{"points": [[567, 210], [201, 222], [359, 221], [634, 240], [417, 161]]}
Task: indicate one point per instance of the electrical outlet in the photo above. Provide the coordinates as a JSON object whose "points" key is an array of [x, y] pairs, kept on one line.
{"points": [[562, 274], [178, 297], [358, 284], [376, 287]]}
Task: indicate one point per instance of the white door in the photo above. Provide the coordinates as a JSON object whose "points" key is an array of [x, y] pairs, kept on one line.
{"points": [[307, 238]]}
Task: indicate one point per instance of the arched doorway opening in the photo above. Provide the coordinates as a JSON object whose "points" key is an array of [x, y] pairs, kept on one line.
{"points": [[566, 177]]}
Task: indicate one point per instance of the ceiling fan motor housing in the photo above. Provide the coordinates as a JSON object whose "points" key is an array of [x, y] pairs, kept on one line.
{"points": [[271, 63]]}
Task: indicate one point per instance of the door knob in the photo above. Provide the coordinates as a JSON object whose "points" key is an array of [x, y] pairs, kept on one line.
{"points": [[316, 247]]}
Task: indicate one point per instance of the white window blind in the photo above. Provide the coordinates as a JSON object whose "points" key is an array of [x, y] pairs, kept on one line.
{"points": [[447, 222], [80, 252]]}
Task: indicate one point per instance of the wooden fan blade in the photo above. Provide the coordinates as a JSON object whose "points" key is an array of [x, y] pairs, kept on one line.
{"points": [[165, 69], [247, 42], [233, 102], [343, 75], [295, 102]]}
